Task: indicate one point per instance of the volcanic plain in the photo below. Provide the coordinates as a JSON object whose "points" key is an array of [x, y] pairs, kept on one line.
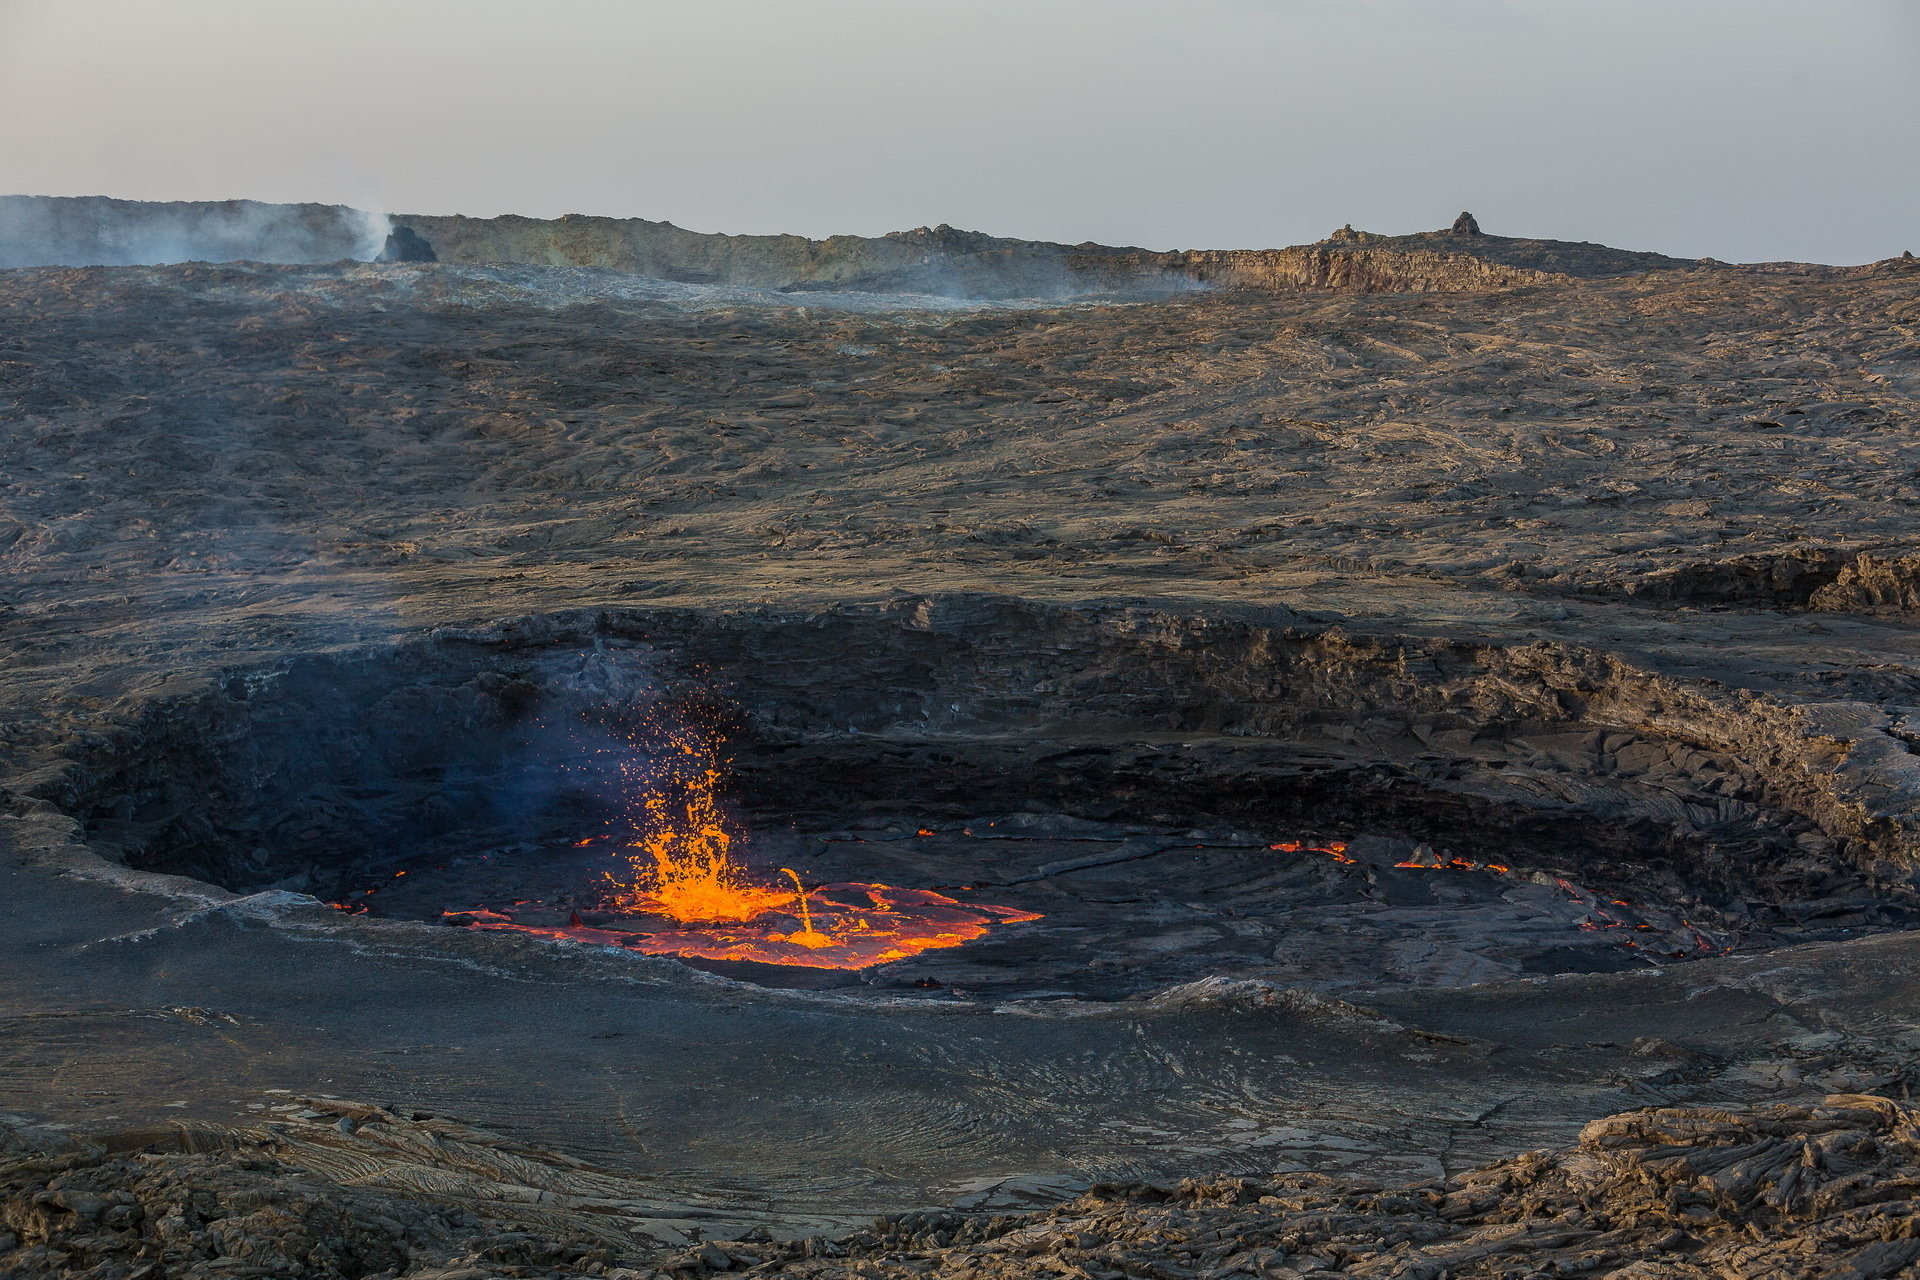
{"points": [[1434, 693]]}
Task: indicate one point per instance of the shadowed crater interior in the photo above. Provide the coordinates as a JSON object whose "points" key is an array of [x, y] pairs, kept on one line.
{"points": [[1148, 796]]}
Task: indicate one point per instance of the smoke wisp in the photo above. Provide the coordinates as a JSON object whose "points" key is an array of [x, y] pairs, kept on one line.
{"points": [[89, 231]]}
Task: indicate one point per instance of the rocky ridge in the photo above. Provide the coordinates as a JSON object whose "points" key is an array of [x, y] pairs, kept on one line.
{"points": [[949, 262], [940, 261]]}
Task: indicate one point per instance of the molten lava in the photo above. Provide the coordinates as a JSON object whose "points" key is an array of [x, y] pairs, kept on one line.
{"points": [[684, 893], [684, 868], [806, 935], [868, 924]]}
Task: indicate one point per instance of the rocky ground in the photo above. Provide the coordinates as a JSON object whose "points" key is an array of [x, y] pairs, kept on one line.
{"points": [[1579, 520], [1668, 1192], [1705, 437], [1675, 1193]]}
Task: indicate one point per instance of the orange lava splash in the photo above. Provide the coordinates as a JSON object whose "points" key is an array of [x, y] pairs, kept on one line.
{"points": [[871, 924], [684, 868], [806, 936], [682, 871]]}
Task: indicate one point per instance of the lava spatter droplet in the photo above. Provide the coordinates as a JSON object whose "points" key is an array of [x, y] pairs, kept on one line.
{"points": [[807, 935]]}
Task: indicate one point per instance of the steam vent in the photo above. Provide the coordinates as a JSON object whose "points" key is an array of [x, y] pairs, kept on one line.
{"points": [[582, 747]]}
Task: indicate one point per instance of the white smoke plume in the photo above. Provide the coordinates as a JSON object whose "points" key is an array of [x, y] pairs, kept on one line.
{"points": [[83, 231]]}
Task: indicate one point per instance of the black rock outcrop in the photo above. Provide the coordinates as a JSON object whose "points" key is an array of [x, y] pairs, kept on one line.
{"points": [[405, 244]]}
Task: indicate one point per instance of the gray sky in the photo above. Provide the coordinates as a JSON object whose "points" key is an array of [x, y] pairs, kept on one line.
{"points": [[1741, 129]]}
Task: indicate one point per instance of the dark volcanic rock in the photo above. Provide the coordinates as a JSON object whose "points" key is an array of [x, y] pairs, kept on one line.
{"points": [[1820, 1191], [1678, 1193], [1465, 239], [329, 1189], [404, 244]]}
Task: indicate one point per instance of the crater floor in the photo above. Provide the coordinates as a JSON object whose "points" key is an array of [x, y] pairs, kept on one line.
{"points": [[1125, 910]]}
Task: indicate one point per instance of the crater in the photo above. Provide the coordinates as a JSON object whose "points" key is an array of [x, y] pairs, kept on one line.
{"points": [[1121, 798]]}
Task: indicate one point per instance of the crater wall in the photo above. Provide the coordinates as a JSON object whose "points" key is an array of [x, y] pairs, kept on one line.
{"points": [[955, 703]]}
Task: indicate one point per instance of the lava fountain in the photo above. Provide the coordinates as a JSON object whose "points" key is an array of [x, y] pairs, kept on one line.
{"points": [[682, 866], [683, 890]]}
